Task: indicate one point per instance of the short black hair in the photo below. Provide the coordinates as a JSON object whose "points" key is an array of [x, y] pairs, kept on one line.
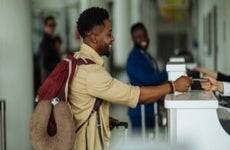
{"points": [[90, 18], [137, 26], [48, 18], [187, 55]]}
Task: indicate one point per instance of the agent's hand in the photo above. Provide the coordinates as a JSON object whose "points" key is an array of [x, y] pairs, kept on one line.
{"points": [[182, 83], [206, 72], [212, 84]]}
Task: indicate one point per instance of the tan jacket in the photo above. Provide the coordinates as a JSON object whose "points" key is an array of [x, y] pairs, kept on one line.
{"points": [[89, 82]]}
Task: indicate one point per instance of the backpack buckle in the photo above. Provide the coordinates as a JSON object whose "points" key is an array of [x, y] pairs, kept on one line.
{"points": [[55, 101], [99, 125]]}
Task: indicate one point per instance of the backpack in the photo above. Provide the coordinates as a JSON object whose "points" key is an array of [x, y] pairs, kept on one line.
{"points": [[52, 103]]}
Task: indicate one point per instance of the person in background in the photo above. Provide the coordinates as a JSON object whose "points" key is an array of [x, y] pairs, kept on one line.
{"points": [[214, 74], [58, 46], [142, 70], [91, 82], [49, 55], [186, 54]]}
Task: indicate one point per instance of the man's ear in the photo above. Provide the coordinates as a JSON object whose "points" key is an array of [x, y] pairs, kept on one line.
{"points": [[93, 37]]}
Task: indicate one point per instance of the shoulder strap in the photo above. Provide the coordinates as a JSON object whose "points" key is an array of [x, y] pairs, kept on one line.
{"points": [[96, 107], [84, 61], [72, 66], [99, 125]]}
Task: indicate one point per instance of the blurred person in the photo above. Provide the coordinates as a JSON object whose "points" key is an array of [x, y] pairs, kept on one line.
{"points": [[37, 73], [92, 82], [214, 74], [187, 55], [58, 46], [142, 70], [49, 55]]}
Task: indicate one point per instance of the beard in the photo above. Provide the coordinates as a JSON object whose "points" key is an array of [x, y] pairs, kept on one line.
{"points": [[106, 49], [107, 53]]}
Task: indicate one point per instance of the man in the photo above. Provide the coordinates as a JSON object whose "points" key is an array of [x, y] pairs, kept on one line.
{"points": [[93, 81], [142, 70], [49, 55]]}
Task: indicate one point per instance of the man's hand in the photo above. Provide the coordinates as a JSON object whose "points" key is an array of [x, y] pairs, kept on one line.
{"points": [[149, 94], [112, 123], [182, 83]]}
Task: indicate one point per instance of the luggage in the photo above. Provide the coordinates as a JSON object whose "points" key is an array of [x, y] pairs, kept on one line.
{"points": [[119, 135], [122, 124], [2, 125]]}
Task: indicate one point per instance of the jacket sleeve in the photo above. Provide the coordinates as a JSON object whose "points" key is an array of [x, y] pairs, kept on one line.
{"points": [[100, 84], [223, 77]]}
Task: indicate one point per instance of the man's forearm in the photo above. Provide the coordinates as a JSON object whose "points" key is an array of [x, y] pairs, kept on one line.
{"points": [[153, 93]]}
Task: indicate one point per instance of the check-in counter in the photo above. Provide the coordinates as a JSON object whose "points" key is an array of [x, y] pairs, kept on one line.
{"points": [[193, 120], [175, 70]]}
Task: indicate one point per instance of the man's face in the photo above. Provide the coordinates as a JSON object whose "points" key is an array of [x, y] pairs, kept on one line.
{"points": [[140, 39], [105, 38], [50, 27]]}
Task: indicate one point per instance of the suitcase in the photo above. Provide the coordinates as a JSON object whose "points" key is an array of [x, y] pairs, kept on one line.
{"points": [[2, 125], [119, 135], [125, 125]]}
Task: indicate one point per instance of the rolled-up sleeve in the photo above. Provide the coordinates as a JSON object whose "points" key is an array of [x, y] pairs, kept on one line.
{"points": [[100, 84]]}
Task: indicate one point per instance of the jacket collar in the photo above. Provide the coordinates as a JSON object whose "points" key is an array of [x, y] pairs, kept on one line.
{"points": [[139, 50], [88, 52]]}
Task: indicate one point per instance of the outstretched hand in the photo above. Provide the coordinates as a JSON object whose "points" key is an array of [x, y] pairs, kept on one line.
{"points": [[212, 84]]}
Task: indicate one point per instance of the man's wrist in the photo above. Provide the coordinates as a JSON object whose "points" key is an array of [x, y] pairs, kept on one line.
{"points": [[172, 86]]}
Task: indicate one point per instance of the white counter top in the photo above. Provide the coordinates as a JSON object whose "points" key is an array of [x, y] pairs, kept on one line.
{"points": [[175, 67], [191, 99]]}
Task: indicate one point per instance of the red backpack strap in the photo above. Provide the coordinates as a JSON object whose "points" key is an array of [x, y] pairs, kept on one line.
{"points": [[79, 61], [84, 61], [72, 63], [54, 82]]}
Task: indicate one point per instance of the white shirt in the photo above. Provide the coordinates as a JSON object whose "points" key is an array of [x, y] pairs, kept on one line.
{"points": [[226, 88]]}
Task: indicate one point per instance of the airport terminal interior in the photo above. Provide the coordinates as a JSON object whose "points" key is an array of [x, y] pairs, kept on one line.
{"points": [[183, 34]]}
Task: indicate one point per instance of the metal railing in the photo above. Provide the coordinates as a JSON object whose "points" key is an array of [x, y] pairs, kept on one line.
{"points": [[2, 125]]}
